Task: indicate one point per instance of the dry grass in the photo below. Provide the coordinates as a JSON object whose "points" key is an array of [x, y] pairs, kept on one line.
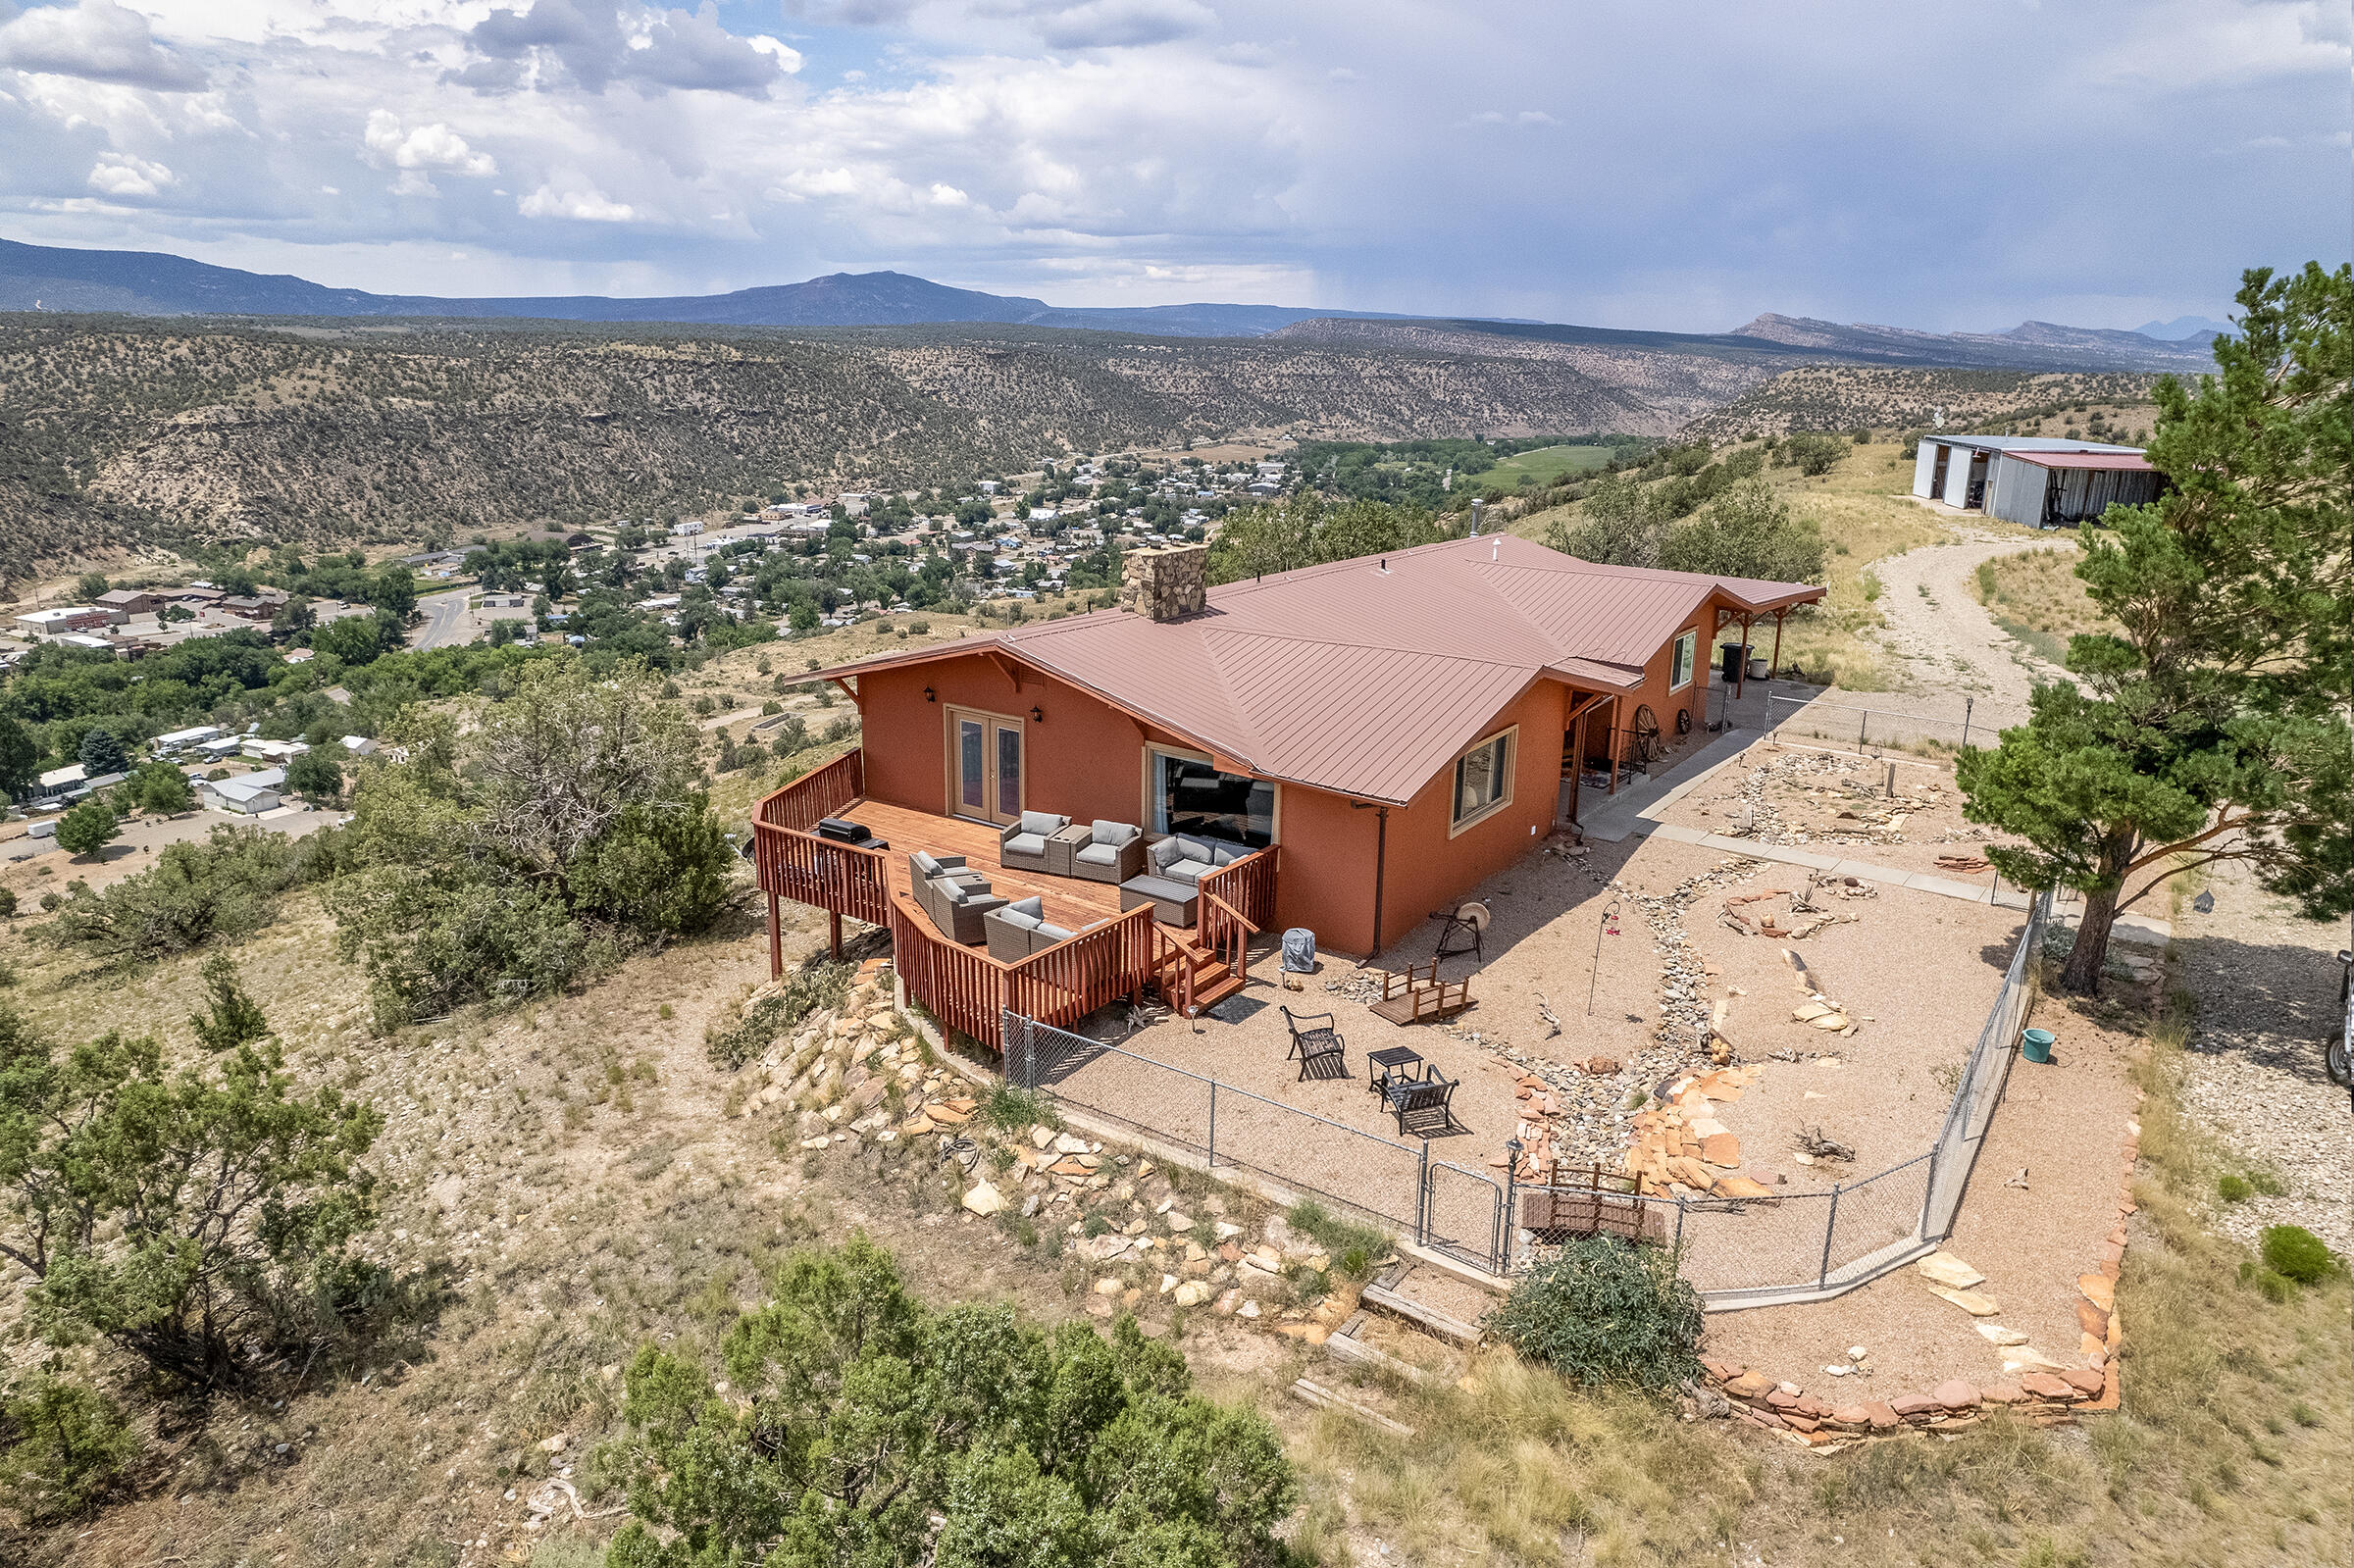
{"points": [[2037, 597], [1864, 510]]}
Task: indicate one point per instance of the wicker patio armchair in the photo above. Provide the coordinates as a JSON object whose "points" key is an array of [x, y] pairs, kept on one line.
{"points": [[1113, 852], [1020, 928], [1028, 843], [956, 906]]}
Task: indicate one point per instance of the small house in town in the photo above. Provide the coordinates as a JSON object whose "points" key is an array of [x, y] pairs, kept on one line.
{"points": [[1344, 749], [2033, 481], [249, 794]]}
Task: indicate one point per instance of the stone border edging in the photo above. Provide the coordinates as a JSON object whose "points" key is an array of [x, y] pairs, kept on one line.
{"points": [[2047, 1399]]}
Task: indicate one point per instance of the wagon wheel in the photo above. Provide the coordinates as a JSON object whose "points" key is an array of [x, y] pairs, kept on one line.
{"points": [[1646, 729]]}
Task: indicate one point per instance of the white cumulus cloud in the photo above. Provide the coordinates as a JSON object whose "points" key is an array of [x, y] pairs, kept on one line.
{"points": [[119, 173], [584, 202], [433, 146]]}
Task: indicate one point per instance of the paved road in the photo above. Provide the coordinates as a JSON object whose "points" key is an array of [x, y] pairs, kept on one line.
{"points": [[446, 621]]}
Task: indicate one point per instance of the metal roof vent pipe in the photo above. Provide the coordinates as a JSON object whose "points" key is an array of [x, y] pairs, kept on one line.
{"points": [[1475, 510]]}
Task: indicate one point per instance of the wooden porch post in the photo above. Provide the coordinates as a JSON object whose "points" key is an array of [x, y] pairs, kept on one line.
{"points": [[1612, 733], [776, 942], [1776, 668], [1741, 670], [833, 932], [1577, 758]]}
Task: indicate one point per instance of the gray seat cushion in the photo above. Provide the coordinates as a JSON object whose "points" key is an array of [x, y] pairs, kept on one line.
{"points": [[1188, 869], [1027, 843], [1012, 916], [1098, 855], [1033, 906], [1052, 934], [925, 866], [1225, 854], [1113, 833], [1042, 824]]}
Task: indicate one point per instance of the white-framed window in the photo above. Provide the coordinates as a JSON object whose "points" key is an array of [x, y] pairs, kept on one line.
{"points": [[1679, 663], [1483, 780]]}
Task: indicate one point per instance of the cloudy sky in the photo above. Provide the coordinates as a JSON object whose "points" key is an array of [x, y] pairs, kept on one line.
{"points": [[1961, 165]]}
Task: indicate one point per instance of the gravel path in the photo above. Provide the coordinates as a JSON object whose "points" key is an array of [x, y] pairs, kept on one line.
{"points": [[1945, 643], [2266, 984]]}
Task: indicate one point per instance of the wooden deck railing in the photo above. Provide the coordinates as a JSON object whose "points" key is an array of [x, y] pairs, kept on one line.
{"points": [[816, 794], [1238, 901], [964, 988]]}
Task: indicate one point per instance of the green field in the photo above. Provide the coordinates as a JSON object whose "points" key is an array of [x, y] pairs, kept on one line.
{"points": [[1544, 465]]}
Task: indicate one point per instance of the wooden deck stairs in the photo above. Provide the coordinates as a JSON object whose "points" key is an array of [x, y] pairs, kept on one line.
{"points": [[1213, 979]]}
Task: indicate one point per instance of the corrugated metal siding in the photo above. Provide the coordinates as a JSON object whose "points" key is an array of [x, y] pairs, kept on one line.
{"points": [[1957, 476], [1924, 467], [2015, 492]]}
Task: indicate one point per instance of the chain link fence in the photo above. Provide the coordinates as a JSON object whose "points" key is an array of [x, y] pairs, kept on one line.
{"points": [[1396, 1184], [1808, 1244], [1876, 729]]}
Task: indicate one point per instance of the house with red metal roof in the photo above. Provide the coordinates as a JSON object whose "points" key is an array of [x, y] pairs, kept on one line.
{"points": [[1360, 743]]}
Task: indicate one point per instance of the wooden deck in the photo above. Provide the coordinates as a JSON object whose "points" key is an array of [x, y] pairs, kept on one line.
{"points": [[1112, 956], [1067, 901]]}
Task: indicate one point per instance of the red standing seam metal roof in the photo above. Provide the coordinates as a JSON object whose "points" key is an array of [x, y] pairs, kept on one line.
{"points": [[1366, 677], [2121, 462]]}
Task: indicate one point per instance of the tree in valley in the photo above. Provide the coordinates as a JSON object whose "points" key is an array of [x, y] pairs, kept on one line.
{"points": [[20, 756], [101, 753], [2213, 725], [1308, 530], [859, 1427], [315, 775], [161, 789], [88, 827]]}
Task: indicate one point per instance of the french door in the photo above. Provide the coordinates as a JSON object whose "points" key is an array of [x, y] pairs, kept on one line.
{"points": [[985, 766]]}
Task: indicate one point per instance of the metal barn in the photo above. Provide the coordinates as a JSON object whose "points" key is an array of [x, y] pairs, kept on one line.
{"points": [[2033, 481]]}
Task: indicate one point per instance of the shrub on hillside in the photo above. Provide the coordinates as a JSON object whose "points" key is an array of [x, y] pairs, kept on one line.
{"points": [[1606, 1311], [505, 858], [226, 887], [2293, 1251], [62, 1447], [863, 1426]]}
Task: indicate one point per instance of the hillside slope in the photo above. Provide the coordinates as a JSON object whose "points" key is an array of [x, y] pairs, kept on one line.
{"points": [[118, 434], [1840, 397]]}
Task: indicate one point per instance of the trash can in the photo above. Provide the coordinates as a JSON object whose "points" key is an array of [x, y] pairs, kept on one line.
{"points": [[1298, 951], [1730, 658], [2037, 1045]]}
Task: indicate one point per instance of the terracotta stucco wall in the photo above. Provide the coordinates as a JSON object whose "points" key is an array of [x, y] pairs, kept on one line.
{"points": [[1084, 760], [1653, 692], [1431, 871]]}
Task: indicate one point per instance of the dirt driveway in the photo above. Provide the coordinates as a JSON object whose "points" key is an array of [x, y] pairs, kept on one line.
{"points": [[1946, 645]]}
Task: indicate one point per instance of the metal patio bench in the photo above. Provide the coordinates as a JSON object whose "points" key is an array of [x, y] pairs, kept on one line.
{"points": [[1316, 1044]]}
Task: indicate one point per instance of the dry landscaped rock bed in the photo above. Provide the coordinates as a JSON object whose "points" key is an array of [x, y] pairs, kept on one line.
{"points": [[1899, 813]]}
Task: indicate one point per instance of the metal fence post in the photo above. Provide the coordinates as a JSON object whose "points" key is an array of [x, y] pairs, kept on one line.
{"points": [[1831, 1224], [1422, 1197], [1508, 1240], [1213, 1124], [1929, 1196], [1863, 725], [1679, 1226], [1966, 706]]}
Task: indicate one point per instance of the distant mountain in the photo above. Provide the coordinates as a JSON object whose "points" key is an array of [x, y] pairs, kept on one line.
{"points": [[2183, 328], [40, 278], [2030, 345]]}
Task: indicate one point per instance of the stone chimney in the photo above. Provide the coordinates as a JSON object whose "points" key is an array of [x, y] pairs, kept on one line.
{"points": [[1167, 582]]}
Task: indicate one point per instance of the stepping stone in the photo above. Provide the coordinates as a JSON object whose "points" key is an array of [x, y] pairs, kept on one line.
{"points": [[1999, 1335], [2027, 1358], [1970, 1301], [1949, 1269]]}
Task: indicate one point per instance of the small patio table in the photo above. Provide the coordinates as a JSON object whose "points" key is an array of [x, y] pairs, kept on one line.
{"points": [[1379, 1065]]}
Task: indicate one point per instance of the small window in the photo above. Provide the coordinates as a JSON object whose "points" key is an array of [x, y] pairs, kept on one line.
{"points": [[1483, 778], [1679, 664]]}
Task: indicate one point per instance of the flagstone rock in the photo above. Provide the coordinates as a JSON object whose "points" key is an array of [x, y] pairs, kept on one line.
{"points": [[1882, 1415], [1999, 1335], [1911, 1404], [2087, 1381], [2003, 1394], [2099, 1289], [2048, 1386], [1748, 1386], [1970, 1301], [984, 1200], [2027, 1358], [1722, 1148], [1949, 1269], [1956, 1394], [1193, 1293]]}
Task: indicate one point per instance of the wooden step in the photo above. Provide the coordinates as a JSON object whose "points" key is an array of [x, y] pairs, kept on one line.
{"points": [[1214, 985]]}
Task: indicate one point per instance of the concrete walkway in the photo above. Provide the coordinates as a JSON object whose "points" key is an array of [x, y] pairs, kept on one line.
{"points": [[1635, 813]]}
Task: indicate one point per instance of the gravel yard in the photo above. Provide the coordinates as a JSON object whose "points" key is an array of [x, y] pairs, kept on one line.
{"points": [[1914, 973], [2267, 985], [1839, 803]]}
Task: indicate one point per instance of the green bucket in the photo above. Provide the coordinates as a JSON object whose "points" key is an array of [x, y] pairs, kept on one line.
{"points": [[2037, 1045]]}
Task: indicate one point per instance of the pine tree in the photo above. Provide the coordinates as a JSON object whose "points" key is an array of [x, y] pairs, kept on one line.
{"points": [[2213, 725]]}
